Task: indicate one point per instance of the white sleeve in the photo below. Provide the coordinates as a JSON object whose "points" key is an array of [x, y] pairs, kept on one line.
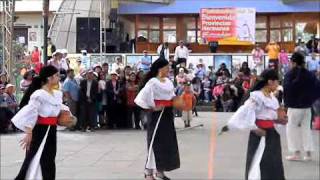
{"points": [[28, 115], [244, 117], [176, 54], [145, 98]]}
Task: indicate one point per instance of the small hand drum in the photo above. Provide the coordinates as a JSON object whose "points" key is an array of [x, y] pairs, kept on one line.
{"points": [[178, 103], [66, 119]]}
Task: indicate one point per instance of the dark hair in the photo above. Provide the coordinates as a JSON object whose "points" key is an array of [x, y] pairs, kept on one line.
{"points": [[266, 75], [28, 73], [69, 71], [298, 58], [105, 64], [37, 83]]}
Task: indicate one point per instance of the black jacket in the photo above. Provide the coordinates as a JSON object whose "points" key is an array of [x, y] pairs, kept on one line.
{"points": [[93, 91], [301, 88]]}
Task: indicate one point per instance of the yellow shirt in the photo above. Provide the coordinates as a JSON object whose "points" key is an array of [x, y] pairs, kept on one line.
{"points": [[49, 52], [273, 51]]}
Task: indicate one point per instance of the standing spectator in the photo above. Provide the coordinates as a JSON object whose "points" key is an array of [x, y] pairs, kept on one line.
{"points": [[301, 47], [51, 48], [85, 60], [206, 84], [312, 45], [118, 65], [144, 63], [200, 70], [70, 90], [56, 60], [181, 53], [133, 109], [87, 100], [190, 101], [114, 100], [284, 61], [313, 64], [103, 98], [27, 80], [78, 67], [258, 58], [245, 70], [35, 55], [65, 60], [3, 110], [105, 70], [12, 103], [299, 104], [273, 50], [163, 51], [4, 79]]}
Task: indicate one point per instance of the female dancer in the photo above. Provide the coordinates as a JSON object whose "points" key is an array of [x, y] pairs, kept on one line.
{"points": [[260, 113], [38, 119], [157, 95]]}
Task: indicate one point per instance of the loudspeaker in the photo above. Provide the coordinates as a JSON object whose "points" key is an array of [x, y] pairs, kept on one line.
{"points": [[88, 35], [213, 46]]}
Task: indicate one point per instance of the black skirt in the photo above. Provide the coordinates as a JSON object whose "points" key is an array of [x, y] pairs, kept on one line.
{"points": [[47, 160], [271, 166], [165, 144]]}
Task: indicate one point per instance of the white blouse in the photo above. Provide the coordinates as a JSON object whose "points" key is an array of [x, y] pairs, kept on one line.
{"points": [[154, 90], [258, 106], [42, 104]]}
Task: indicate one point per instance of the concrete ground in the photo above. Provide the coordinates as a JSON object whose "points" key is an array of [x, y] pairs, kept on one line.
{"points": [[121, 154]]}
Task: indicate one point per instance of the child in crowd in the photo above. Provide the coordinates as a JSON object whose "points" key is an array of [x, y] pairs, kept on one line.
{"points": [[190, 101], [206, 84]]}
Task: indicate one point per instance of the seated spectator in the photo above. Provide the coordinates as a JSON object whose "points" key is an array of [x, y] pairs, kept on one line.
{"points": [[200, 71], [223, 68]]}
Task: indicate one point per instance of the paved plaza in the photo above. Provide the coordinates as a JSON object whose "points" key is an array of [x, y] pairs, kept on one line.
{"points": [[121, 154]]}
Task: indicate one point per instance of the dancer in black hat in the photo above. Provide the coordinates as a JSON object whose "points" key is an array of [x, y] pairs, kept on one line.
{"points": [[38, 118], [157, 96]]}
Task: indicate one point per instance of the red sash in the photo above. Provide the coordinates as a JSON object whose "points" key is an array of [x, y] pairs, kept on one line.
{"points": [[165, 103], [47, 120], [265, 124]]}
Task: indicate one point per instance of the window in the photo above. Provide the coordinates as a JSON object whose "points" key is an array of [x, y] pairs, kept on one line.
{"points": [[304, 30], [287, 35], [149, 29], [169, 30], [275, 35], [190, 26], [261, 29]]}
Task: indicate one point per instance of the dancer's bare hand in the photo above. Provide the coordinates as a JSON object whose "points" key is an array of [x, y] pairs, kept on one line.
{"points": [[26, 141], [260, 132]]}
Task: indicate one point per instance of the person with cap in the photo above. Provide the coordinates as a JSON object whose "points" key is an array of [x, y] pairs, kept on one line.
{"points": [[65, 60], [56, 60], [181, 53], [41, 106], [157, 95], [85, 60], [190, 102], [145, 62], [87, 99], [301, 90], [113, 88], [11, 101]]}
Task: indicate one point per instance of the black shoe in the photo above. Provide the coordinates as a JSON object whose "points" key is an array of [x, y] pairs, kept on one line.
{"points": [[164, 177]]}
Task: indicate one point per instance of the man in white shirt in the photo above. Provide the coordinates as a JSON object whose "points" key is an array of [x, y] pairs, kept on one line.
{"points": [[64, 61], [164, 51], [181, 53], [117, 65]]}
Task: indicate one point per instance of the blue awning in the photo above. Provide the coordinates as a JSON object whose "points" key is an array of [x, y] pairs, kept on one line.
{"points": [[194, 6]]}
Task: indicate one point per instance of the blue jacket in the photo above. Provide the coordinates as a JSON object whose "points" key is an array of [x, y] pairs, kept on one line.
{"points": [[301, 88]]}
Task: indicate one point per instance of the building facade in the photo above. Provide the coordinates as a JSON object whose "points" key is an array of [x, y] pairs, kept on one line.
{"points": [[282, 21]]}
